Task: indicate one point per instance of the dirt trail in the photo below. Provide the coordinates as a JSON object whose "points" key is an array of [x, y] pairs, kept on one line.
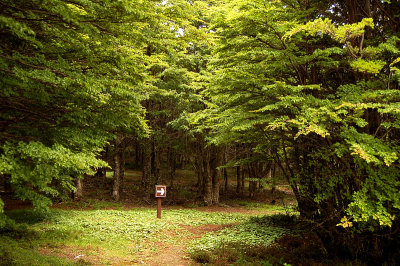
{"points": [[175, 253]]}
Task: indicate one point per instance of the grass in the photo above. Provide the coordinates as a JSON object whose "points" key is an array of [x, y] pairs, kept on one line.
{"points": [[261, 206], [243, 244], [250, 233], [13, 252], [113, 236], [91, 204], [98, 231]]}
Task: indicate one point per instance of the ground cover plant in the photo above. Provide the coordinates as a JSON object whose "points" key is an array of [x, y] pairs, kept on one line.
{"points": [[121, 236]]}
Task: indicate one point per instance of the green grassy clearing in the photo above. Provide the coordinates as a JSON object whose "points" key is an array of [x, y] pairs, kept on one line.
{"points": [[120, 236]]}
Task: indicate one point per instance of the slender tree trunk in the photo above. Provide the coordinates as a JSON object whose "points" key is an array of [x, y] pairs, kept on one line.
{"points": [[171, 166], [119, 168], [252, 184], [155, 166], [146, 168], [78, 194], [225, 173], [238, 179], [243, 175], [271, 177], [208, 184], [117, 176], [199, 167], [216, 174]]}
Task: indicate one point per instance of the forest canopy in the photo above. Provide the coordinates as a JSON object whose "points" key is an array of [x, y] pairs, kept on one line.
{"points": [[307, 87]]}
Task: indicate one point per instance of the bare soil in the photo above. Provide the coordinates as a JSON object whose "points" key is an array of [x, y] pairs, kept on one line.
{"points": [[176, 253]]}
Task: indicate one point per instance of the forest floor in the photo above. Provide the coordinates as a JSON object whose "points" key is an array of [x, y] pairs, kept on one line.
{"points": [[97, 231]]}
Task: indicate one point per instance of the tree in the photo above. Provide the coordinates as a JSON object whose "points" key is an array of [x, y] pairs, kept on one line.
{"points": [[178, 71], [72, 76], [314, 86]]}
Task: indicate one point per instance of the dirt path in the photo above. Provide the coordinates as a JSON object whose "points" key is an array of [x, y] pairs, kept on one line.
{"points": [[175, 252]]}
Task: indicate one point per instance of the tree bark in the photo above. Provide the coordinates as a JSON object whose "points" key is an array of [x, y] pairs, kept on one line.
{"points": [[238, 180], [146, 156], [155, 163], [216, 174], [243, 175], [225, 173], [119, 167], [78, 194], [208, 198], [172, 165], [199, 168], [252, 184]]}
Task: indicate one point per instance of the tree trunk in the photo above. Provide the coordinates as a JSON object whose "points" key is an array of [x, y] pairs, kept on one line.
{"points": [[155, 163], [212, 175], [271, 176], [119, 168], [252, 184], [199, 168], [242, 181], [225, 172], [216, 174], [172, 166], [146, 168], [238, 180], [208, 188], [78, 194]]}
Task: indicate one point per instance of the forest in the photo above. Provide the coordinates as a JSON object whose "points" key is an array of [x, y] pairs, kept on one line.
{"points": [[221, 101]]}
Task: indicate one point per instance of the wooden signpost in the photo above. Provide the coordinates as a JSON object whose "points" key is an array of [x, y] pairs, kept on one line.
{"points": [[160, 192]]}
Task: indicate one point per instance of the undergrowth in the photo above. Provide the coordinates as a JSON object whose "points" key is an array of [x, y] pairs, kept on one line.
{"points": [[243, 243], [114, 233]]}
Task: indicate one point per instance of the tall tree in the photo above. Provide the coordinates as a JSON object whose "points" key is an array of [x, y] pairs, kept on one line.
{"points": [[72, 75], [314, 86]]}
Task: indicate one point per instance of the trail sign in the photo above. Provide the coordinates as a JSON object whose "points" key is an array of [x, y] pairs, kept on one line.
{"points": [[161, 191]]}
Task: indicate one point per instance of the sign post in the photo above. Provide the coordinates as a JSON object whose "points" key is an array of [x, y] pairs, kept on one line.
{"points": [[160, 192]]}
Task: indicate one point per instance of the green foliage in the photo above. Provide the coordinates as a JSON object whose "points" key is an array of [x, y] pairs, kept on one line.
{"points": [[12, 253], [369, 205], [254, 232], [112, 233], [73, 74], [35, 164], [370, 67], [317, 93]]}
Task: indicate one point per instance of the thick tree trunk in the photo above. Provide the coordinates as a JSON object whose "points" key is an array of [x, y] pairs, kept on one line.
{"points": [[212, 175]]}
